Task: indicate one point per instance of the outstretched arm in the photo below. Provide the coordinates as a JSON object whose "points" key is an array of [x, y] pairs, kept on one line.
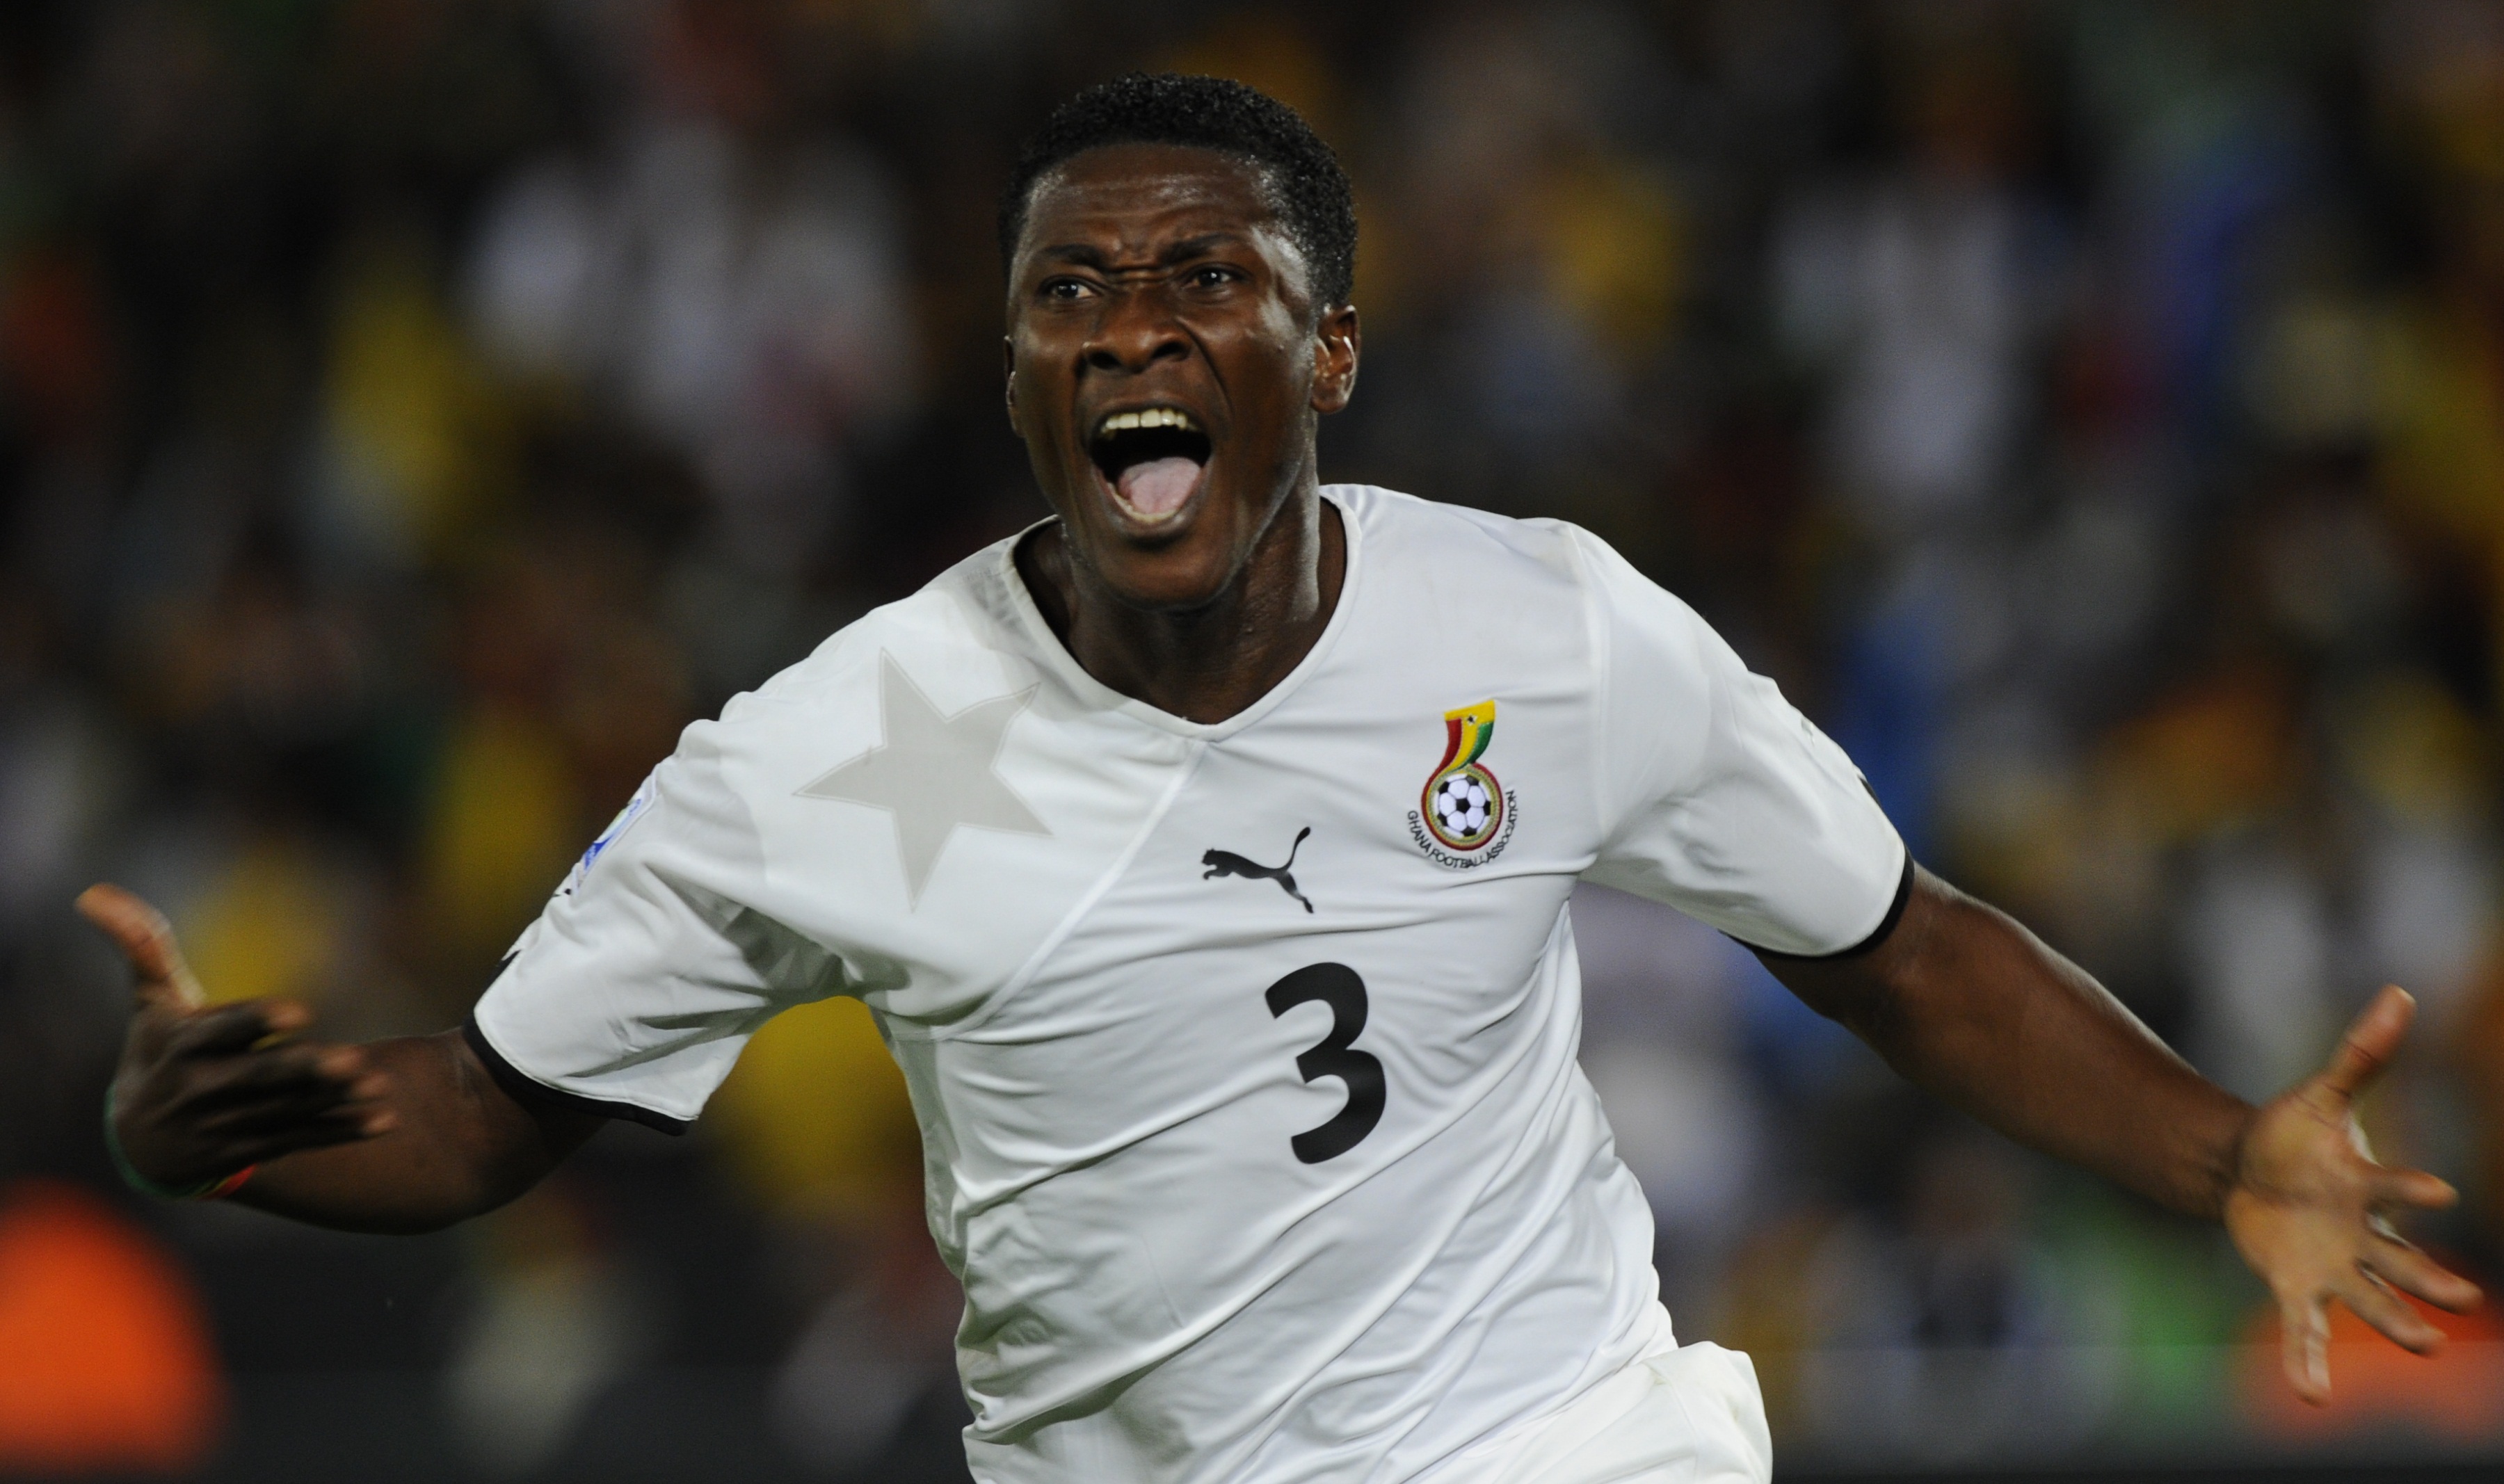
{"points": [[402, 1135], [1966, 1002]]}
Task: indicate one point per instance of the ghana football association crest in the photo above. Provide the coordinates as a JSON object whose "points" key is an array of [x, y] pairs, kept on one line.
{"points": [[1463, 819]]}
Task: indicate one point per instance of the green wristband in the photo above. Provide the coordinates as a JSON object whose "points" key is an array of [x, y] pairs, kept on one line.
{"points": [[131, 1177]]}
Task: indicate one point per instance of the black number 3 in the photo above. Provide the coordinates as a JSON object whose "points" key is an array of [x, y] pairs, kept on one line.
{"points": [[1337, 985]]}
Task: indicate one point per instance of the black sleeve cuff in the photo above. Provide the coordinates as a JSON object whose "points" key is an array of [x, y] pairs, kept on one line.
{"points": [[522, 1088], [1877, 935]]}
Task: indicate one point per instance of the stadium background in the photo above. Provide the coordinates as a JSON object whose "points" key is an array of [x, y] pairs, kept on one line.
{"points": [[413, 411]]}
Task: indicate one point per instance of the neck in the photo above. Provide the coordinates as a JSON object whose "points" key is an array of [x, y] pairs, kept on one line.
{"points": [[1208, 663]]}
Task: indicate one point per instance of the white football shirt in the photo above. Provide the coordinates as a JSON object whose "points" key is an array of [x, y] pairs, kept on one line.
{"points": [[1243, 1053]]}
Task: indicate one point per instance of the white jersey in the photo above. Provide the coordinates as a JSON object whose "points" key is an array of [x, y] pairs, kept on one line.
{"points": [[1243, 1053]]}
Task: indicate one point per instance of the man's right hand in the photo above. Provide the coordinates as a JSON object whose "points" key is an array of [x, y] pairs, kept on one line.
{"points": [[204, 1090]]}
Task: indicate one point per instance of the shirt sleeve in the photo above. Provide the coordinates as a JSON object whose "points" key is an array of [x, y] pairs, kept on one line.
{"points": [[1717, 796], [633, 993]]}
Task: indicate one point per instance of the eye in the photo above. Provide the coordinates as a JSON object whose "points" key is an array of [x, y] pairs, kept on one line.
{"points": [[1214, 275], [1064, 290]]}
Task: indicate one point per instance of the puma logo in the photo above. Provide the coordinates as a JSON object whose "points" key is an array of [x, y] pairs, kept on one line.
{"points": [[1228, 863]]}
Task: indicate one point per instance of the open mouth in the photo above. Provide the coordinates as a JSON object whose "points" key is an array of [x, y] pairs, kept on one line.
{"points": [[1151, 459]]}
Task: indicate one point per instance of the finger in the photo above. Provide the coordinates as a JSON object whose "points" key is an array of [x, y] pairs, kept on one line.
{"points": [[223, 1110], [2412, 1271], [2412, 1188], [259, 1105], [2388, 1312], [2305, 1333], [273, 1120], [145, 938], [2370, 1042], [299, 1138], [284, 1070], [303, 1087], [229, 1029]]}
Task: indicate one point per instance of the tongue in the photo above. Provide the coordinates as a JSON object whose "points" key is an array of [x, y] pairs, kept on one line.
{"points": [[1160, 485]]}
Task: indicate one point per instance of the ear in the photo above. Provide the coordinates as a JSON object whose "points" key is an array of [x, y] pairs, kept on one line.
{"points": [[1337, 343], [1008, 365]]}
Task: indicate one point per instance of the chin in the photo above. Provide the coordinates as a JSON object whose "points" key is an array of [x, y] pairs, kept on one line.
{"points": [[1173, 576]]}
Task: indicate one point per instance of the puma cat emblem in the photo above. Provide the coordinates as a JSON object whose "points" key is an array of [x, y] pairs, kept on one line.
{"points": [[1228, 863]]}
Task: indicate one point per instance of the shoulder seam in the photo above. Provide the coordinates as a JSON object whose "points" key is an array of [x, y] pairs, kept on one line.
{"points": [[1597, 644]]}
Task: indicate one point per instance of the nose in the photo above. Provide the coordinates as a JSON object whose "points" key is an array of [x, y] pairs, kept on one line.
{"points": [[1135, 333]]}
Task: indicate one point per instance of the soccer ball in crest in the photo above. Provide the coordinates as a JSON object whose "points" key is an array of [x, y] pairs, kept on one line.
{"points": [[1464, 806]]}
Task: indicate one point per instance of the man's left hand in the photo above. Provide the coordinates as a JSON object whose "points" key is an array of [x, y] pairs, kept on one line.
{"points": [[2309, 1209]]}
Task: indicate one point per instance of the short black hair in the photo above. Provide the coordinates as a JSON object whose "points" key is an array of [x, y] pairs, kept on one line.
{"points": [[1306, 183]]}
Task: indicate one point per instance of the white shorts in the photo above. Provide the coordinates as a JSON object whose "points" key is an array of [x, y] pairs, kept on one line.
{"points": [[1679, 1414]]}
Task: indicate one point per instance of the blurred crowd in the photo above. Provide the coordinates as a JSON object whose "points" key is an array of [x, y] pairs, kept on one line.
{"points": [[413, 412]]}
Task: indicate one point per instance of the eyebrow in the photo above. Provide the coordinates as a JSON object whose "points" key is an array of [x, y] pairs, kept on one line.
{"points": [[1088, 255]]}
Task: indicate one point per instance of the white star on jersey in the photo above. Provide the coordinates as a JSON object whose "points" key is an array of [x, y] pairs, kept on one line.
{"points": [[1237, 1192], [932, 773]]}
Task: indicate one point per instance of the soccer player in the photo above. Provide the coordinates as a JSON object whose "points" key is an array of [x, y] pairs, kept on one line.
{"points": [[1204, 854]]}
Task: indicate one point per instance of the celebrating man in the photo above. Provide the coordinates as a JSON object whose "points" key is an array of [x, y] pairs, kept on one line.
{"points": [[1203, 855]]}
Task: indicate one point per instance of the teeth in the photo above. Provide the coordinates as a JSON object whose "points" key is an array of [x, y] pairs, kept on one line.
{"points": [[1152, 417]]}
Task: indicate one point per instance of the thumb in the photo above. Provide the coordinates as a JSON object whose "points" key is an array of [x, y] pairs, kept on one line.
{"points": [[145, 938], [2370, 1042]]}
